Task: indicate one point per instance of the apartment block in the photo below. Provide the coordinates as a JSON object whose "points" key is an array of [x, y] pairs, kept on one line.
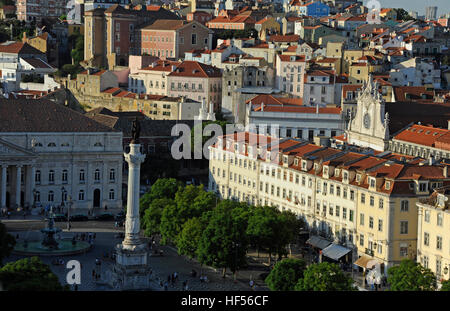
{"points": [[362, 202]]}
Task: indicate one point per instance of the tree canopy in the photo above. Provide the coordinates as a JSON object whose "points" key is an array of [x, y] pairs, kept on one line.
{"points": [[285, 274], [324, 276], [270, 229], [7, 243], [224, 242], [163, 188], [190, 202], [29, 274], [411, 276], [189, 238], [445, 286]]}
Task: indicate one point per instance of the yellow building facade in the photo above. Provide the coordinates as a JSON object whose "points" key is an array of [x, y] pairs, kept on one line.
{"points": [[433, 246], [365, 203]]}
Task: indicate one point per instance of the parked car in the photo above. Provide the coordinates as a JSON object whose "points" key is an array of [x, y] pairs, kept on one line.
{"points": [[105, 216], [59, 217], [78, 217]]}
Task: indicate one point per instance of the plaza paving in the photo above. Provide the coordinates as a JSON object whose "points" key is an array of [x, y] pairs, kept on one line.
{"points": [[162, 266]]}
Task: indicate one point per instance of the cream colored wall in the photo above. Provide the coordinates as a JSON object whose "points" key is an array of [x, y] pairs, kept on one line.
{"points": [[434, 230], [389, 237]]}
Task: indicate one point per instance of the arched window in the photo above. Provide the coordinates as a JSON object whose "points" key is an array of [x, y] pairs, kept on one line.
{"points": [[51, 145], [51, 176], [97, 175], [82, 176], [112, 174], [81, 195], [112, 194], [98, 144], [51, 196]]}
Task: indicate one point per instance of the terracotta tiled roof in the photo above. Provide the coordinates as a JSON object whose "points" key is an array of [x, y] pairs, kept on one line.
{"points": [[162, 65], [18, 48], [284, 38], [165, 24], [411, 93], [196, 69], [292, 58], [423, 135]]}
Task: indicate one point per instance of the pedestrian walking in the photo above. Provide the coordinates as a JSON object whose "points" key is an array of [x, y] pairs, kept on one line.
{"points": [[166, 286], [251, 283]]}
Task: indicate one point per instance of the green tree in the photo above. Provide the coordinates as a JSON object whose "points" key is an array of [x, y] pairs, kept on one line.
{"points": [[289, 229], [7, 243], [205, 138], [29, 274], [151, 221], [285, 275], [411, 276], [403, 15], [163, 188], [445, 286], [191, 201], [189, 237], [272, 230], [324, 276], [224, 242]]}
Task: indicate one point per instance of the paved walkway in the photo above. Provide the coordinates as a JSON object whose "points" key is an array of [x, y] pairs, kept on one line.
{"points": [[161, 266]]}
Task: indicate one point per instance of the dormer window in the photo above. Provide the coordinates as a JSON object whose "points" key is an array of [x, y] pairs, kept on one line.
{"points": [[296, 162], [336, 172], [345, 175], [372, 182], [315, 166], [304, 165], [325, 170], [285, 159], [358, 177], [423, 187], [387, 185]]}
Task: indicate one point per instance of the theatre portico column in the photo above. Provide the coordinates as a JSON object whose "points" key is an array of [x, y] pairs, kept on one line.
{"points": [[3, 187], [18, 184]]}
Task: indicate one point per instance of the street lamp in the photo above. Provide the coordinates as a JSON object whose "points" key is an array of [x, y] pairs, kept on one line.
{"points": [[235, 245]]}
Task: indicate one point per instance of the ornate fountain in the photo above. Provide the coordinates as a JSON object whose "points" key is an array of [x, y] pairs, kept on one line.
{"points": [[49, 240]]}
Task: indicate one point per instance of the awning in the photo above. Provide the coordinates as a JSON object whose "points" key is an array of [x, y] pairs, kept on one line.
{"points": [[366, 262], [335, 251], [318, 242]]}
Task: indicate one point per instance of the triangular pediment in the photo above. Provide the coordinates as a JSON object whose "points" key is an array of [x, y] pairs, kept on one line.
{"points": [[8, 149]]}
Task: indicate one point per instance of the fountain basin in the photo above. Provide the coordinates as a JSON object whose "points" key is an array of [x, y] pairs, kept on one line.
{"points": [[65, 248]]}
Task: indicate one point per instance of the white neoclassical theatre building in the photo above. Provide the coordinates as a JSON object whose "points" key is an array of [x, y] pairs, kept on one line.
{"points": [[50, 154]]}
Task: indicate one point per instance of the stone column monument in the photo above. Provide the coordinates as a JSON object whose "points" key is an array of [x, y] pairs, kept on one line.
{"points": [[131, 269]]}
